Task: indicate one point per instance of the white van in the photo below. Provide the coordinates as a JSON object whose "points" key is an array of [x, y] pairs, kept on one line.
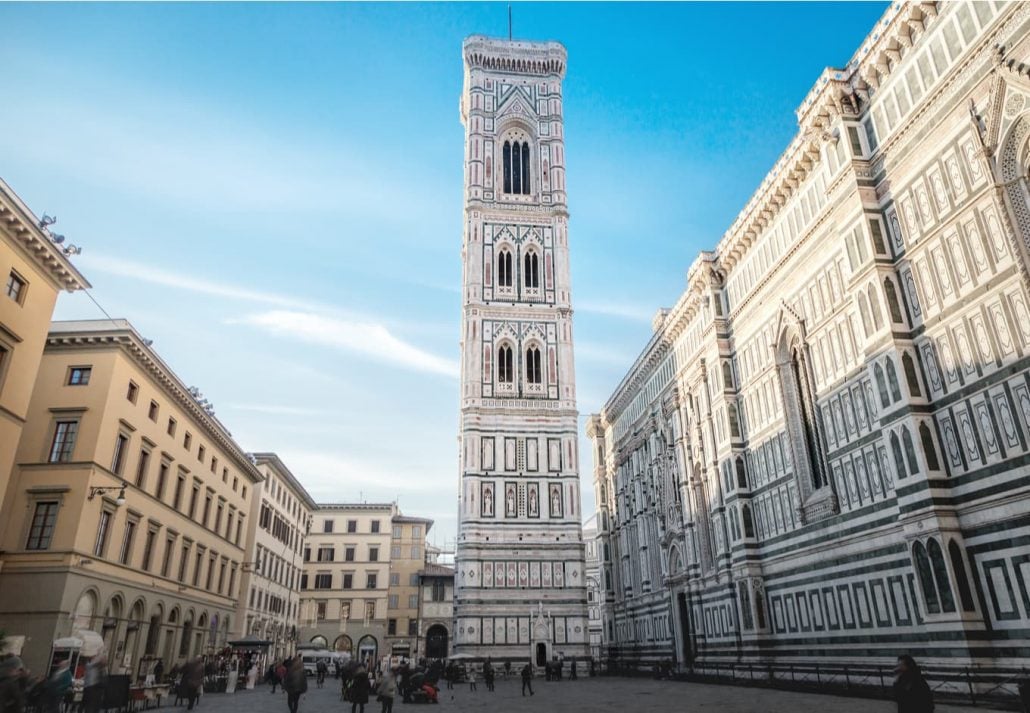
{"points": [[312, 657]]}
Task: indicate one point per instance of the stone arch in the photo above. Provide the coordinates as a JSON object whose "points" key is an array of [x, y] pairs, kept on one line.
{"points": [[1014, 165], [85, 609]]}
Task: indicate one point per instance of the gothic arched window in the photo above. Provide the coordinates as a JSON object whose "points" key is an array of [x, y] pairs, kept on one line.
{"points": [[749, 523], [892, 300], [504, 271], [863, 310], [505, 365], [532, 270], [928, 449], [922, 562], [881, 385], [898, 458], [940, 575], [874, 308], [804, 390], [727, 375], [892, 379], [910, 374], [516, 167], [741, 474], [965, 594], [910, 451], [534, 375]]}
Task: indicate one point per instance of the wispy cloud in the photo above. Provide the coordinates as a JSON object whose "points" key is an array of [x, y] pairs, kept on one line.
{"points": [[157, 276], [276, 409], [366, 338], [622, 310], [328, 475], [602, 354]]}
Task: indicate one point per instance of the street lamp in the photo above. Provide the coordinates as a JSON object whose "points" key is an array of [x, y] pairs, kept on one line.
{"points": [[100, 490]]}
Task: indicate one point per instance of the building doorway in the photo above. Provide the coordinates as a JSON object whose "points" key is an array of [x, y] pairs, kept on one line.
{"points": [[436, 642], [541, 654], [684, 612]]}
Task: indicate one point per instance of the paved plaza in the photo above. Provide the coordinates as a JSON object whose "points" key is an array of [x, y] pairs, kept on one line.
{"points": [[582, 696]]}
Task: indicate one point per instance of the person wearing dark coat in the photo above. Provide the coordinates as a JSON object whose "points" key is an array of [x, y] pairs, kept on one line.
{"points": [[359, 688], [527, 679], [911, 690], [193, 681], [295, 683]]}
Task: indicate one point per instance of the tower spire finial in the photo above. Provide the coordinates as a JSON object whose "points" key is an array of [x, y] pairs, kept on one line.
{"points": [[509, 22]]}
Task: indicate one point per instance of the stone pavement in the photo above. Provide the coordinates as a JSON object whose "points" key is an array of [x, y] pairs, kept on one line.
{"points": [[598, 695]]}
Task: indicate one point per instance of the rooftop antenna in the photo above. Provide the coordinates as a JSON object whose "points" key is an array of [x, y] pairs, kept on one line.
{"points": [[509, 22]]}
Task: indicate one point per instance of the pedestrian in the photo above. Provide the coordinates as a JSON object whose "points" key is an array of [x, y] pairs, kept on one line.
{"points": [[488, 675], [295, 683], [388, 691], [271, 676], [159, 671], [280, 675], [472, 679], [59, 683], [507, 669], [358, 692], [12, 684], [527, 678], [911, 690], [94, 683], [572, 669], [193, 681], [321, 669]]}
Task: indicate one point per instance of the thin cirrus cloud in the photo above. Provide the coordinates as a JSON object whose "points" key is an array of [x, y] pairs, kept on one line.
{"points": [[354, 336]]}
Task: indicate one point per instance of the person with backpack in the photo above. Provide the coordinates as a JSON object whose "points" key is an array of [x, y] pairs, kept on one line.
{"points": [[295, 683], [911, 691], [357, 692]]}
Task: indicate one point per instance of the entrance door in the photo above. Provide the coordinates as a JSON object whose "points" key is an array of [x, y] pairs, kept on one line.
{"points": [[541, 654], [688, 654]]}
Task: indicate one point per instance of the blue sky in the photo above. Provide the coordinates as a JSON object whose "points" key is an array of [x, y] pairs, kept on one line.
{"points": [[272, 193]]}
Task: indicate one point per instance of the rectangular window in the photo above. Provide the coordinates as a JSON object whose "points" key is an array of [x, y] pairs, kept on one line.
{"points": [[63, 444], [395, 552], [42, 529], [141, 468], [187, 440], [214, 464], [371, 580], [324, 580], [221, 576], [391, 627], [375, 526], [397, 532], [200, 453], [416, 530], [412, 627], [198, 566], [304, 581], [416, 552], [184, 562], [327, 526], [352, 526], [373, 554], [153, 410], [412, 601], [180, 484], [370, 611], [130, 536], [101, 544], [210, 572], [348, 554], [207, 509], [171, 426], [232, 580], [79, 375], [133, 393], [307, 553], [148, 549], [413, 579], [395, 579], [218, 516], [166, 563], [320, 608], [193, 500], [326, 553], [120, 443], [162, 478], [348, 581], [439, 591], [344, 610], [16, 287]]}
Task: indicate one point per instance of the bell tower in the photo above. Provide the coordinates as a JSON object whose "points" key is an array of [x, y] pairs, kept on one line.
{"points": [[520, 589]]}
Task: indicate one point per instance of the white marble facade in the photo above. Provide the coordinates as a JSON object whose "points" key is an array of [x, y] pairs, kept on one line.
{"points": [[519, 569], [823, 452]]}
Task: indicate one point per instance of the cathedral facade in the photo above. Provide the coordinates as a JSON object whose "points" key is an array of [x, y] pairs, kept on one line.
{"points": [[520, 590], [822, 452]]}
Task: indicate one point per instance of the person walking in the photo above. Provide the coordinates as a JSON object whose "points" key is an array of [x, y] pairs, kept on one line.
{"points": [[193, 681], [59, 683], [911, 691], [527, 678], [280, 675], [488, 675], [295, 683], [94, 683], [388, 691], [159, 671], [472, 679], [321, 669], [271, 676], [359, 690]]}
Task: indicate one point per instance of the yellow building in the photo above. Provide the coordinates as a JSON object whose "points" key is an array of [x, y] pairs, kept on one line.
{"points": [[128, 506], [35, 270], [407, 558]]}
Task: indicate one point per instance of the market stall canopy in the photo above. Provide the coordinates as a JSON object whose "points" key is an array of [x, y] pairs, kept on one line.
{"points": [[86, 642], [250, 642]]}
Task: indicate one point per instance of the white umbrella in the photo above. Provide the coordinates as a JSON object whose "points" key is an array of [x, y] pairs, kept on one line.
{"points": [[460, 657]]}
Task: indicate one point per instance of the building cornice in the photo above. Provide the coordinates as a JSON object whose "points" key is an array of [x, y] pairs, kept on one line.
{"points": [[501, 55], [119, 334], [273, 461], [23, 226]]}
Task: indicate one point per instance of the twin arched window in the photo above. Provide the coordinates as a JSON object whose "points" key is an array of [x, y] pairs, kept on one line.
{"points": [[516, 167], [532, 270], [504, 271], [505, 365], [534, 373]]}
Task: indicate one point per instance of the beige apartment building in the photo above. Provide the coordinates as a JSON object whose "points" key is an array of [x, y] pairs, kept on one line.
{"points": [[35, 269], [344, 585], [407, 558], [128, 510], [280, 516], [436, 610]]}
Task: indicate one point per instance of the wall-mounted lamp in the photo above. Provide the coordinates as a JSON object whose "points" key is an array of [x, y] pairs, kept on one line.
{"points": [[120, 500]]}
